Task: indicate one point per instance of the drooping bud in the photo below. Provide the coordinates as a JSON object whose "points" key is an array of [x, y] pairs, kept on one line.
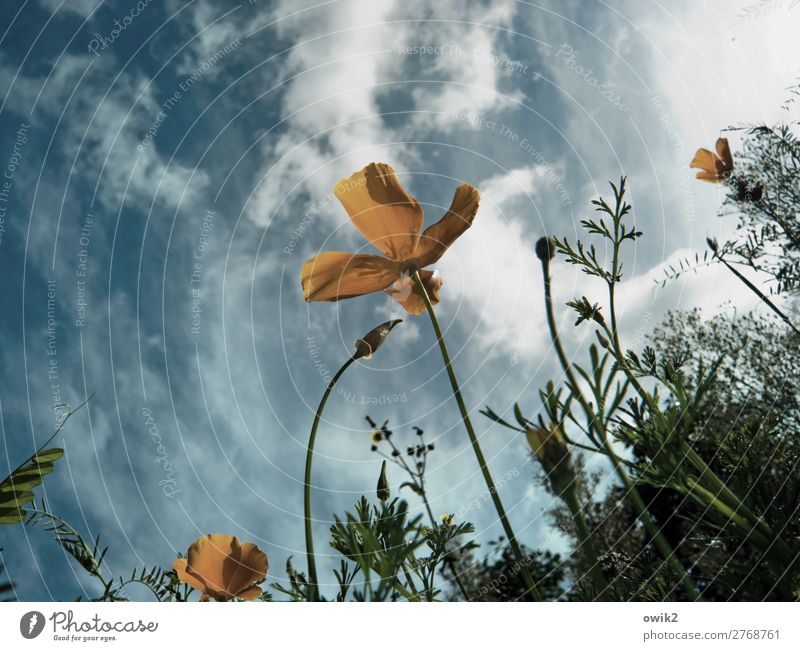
{"points": [[553, 454], [370, 342], [383, 484], [545, 249]]}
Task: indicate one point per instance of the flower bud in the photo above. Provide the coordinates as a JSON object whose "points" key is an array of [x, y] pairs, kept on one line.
{"points": [[602, 340], [545, 249], [552, 452], [383, 484], [371, 341]]}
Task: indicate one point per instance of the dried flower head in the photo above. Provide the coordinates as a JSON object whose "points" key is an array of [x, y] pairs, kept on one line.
{"points": [[370, 342], [545, 249], [553, 454]]}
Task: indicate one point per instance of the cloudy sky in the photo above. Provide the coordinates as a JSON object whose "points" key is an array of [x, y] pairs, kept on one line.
{"points": [[170, 166]]}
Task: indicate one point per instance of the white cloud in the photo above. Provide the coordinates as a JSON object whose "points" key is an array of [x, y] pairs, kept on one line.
{"points": [[493, 268]]}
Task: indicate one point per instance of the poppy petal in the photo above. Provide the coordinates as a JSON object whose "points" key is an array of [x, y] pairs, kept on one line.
{"points": [[206, 559], [250, 594], [387, 216], [244, 567], [724, 151], [704, 160], [180, 567], [711, 177], [333, 276], [405, 291], [437, 238]]}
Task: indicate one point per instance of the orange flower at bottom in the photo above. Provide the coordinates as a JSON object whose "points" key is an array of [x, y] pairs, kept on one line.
{"points": [[715, 167], [222, 568]]}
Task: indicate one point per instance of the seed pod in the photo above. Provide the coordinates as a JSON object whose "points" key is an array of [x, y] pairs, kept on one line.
{"points": [[383, 484], [370, 342], [545, 249]]}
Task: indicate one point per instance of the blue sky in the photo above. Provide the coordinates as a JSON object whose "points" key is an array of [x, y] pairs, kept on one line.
{"points": [[189, 159]]}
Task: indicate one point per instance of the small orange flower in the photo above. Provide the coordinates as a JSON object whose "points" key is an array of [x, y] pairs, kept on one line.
{"points": [[715, 166], [222, 568], [391, 220]]}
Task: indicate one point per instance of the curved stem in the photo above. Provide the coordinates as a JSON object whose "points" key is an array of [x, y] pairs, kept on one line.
{"points": [[473, 439], [313, 584]]}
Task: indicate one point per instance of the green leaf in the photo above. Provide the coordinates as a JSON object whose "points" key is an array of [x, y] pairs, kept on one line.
{"points": [[15, 490], [49, 455], [25, 484], [14, 518], [32, 472], [15, 498]]}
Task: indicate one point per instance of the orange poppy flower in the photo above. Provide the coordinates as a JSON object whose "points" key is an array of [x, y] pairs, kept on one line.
{"points": [[222, 568], [715, 167], [391, 220]]}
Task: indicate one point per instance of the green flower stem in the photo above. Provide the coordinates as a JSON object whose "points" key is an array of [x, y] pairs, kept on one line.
{"points": [[313, 584], [449, 560], [419, 478], [707, 497], [632, 494], [586, 543], [731, 499], [658, 538], [736, 506], [772, 546], [473, 439]]}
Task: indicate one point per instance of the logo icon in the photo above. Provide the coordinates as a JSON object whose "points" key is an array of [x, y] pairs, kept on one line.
{"points": [[31, 624]]}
